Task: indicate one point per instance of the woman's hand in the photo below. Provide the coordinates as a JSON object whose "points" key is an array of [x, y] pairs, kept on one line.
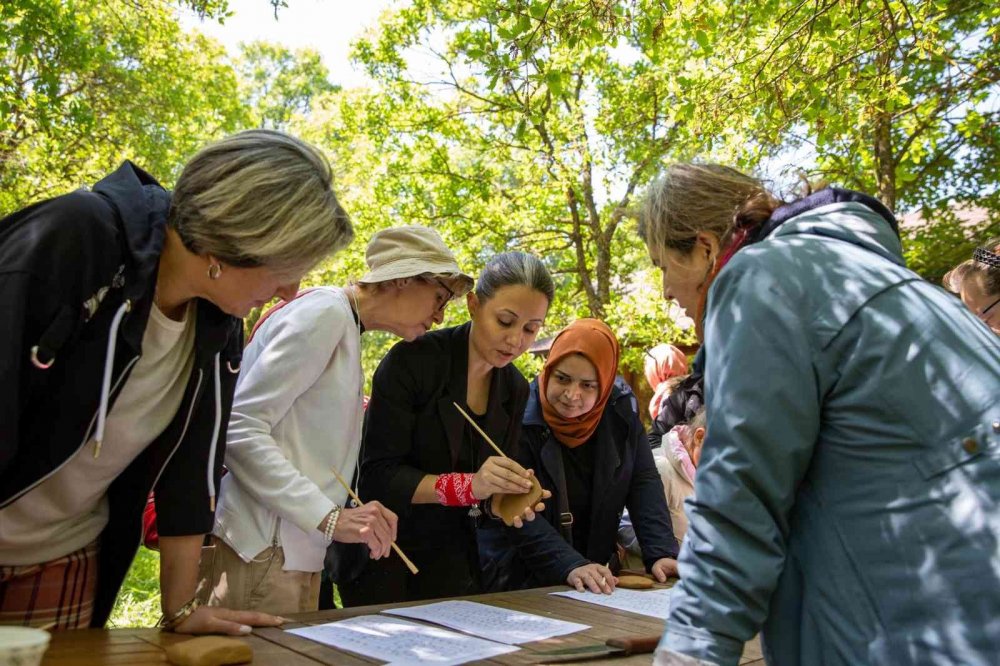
{"points": [[215, 620], [500, 476], [664, 568], [594, 577], [371, 524], [529, 512]]}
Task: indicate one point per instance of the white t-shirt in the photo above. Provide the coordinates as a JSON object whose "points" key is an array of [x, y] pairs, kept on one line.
{"points": [[69, 509]]}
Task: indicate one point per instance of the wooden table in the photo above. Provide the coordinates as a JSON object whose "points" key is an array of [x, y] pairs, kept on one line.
{"points": [[274, 647]]}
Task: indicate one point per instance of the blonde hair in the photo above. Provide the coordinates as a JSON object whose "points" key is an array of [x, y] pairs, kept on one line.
{"points": [[692, 198], [260, 198], [989, 275]]}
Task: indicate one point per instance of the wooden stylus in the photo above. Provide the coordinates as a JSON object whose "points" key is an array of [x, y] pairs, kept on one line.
{"points": [[409, 565]]}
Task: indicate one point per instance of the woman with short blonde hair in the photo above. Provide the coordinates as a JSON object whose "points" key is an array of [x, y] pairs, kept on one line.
{"points": [[120, 347]]}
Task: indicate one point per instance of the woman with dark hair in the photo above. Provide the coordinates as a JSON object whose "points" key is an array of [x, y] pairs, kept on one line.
{"points": [[845, 500], [422, 460]]}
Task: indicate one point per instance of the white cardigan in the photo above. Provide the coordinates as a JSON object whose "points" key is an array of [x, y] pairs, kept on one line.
{"points": [[296, 415]]}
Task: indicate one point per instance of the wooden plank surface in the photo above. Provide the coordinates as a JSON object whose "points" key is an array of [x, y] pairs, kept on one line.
{"points": [[275, 647]]}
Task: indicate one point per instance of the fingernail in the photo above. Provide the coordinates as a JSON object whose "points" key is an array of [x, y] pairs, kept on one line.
{"points": [[283, 620], [245, 629]]}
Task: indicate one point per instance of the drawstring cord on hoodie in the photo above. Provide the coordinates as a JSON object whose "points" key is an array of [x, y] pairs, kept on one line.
{"points": [[102, 412], [215, 435], [109, 362]]}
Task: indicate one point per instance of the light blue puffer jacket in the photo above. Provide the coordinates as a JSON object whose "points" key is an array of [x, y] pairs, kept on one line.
{"points": [[847, 499]]}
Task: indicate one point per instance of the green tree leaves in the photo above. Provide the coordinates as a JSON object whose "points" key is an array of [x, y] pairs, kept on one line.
{"points": [[86, 85]]}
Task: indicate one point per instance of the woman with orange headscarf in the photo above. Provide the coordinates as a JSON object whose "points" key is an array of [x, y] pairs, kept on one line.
{"points": [[582, 434]]}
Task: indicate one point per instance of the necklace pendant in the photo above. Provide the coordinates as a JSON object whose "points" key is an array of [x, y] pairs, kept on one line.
{"points": [[474, 512]]}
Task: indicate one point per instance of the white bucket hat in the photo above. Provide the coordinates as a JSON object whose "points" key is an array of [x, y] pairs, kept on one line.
{"points": [[402, 252]]}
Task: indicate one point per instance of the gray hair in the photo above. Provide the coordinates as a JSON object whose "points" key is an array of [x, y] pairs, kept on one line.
{"points": [[514, 268], [260, 198], [691, 198]]}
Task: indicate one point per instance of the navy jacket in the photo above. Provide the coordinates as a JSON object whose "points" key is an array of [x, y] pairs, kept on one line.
{"points": [[625, 475], [67, 268]]}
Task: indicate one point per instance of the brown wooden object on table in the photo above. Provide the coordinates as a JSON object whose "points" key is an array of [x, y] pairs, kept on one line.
{"points": [[630, 582], [209, 651]]}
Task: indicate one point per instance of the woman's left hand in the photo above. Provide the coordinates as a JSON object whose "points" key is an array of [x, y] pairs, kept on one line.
{"points": [[529, 512], [216, 620], [665, 568]]}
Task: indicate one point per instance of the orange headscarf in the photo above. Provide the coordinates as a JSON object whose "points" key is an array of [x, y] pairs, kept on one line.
{"points": [[597, 343]]}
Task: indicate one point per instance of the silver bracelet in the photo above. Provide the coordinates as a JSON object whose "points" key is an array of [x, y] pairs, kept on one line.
{"points": [[331, 523]]}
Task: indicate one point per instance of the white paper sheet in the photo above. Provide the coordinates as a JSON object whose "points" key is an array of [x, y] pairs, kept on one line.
{"points": [[654, 603], [490, 622], [402, 643]]}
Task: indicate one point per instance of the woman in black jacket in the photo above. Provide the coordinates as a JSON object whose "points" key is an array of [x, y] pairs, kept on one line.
{"points": [[120, 343], [422, 460], [583, 436]]}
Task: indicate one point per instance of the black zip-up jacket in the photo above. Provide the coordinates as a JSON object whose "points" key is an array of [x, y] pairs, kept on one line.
{"points": [[77, 277], [541, 552]]}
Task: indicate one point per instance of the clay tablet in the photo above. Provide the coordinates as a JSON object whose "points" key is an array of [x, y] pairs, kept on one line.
{"points": [[209, 651], [508, 507], [630, 582]]}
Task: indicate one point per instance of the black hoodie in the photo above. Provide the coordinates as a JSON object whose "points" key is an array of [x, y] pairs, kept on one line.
{"points": [[77, 276]]}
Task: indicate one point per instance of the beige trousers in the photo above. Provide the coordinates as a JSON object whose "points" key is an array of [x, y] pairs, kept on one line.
{"points": [[260, 585]]}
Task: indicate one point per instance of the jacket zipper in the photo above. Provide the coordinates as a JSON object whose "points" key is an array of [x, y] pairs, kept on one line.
{"points": [[187, 422], [86, 437]]}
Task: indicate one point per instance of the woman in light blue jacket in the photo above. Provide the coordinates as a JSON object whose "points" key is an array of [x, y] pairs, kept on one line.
{"points": [[846, 504]]}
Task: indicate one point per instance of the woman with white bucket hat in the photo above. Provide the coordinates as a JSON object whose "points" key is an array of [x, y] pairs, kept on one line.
{"points": [[297, 417]]}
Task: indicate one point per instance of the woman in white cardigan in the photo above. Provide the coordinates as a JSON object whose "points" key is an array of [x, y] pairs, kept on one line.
{"points": [[297, 415]]}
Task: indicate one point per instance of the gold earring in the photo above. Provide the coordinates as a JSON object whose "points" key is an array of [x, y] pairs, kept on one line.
{"points": [[214, 271]]}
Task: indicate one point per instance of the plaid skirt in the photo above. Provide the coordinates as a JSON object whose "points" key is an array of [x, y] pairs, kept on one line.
{"points": [[53, 595]]}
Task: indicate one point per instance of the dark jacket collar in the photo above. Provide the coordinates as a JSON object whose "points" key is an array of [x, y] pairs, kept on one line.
{"points": [[143, 206], [824, 197]]}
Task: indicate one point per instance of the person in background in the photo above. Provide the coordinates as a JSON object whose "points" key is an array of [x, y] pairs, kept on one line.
{"points": [[297, 417], [977, 283], [422, 460], [677, 461], [845, 501], [120, 344], [664, 367], [582, 435]]}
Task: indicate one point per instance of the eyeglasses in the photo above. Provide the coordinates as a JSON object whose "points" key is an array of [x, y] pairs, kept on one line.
{"points": [[451, 295], [984, 314]]}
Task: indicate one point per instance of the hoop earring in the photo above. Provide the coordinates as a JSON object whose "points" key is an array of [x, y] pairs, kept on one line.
{"points": [[214, 271]]}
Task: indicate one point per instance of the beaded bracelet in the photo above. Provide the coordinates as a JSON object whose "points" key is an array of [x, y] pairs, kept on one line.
{"points": [[331, 524], [178, 617]]}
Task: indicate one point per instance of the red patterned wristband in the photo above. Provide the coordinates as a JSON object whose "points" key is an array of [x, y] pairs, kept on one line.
{"points": [[455, 490]]}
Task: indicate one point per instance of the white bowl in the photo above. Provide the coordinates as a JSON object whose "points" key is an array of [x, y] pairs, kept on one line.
{"points": [[22, 646]]}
